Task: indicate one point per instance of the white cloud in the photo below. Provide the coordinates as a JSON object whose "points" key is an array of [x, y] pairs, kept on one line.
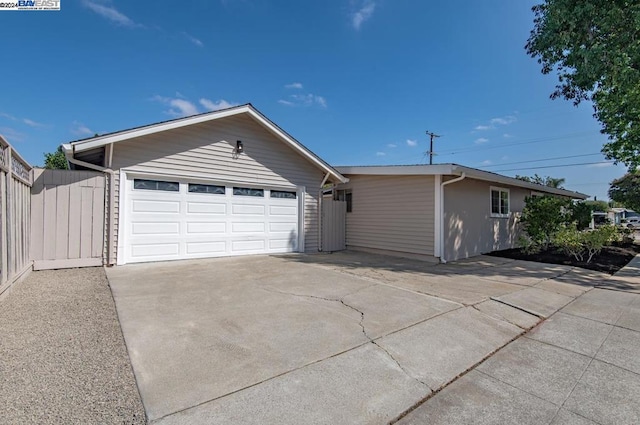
{"points": [[294, 86], [308, 99], [192, 39], [412, 143], [216, 105], [486, 162], [481, 140], [507, 136], [380, 154], [504, 158], [8, 116], [392, 145], [177, 107], [11, 134], [363, 14], [32, 123], [503, 120], [482, 127], [80, 129], [110, 13]]}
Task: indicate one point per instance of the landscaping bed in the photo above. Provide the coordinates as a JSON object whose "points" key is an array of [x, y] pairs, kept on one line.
{"points": [[611, 259]]}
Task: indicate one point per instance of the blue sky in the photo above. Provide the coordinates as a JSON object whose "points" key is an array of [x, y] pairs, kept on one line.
{"points": [[358, 82]]}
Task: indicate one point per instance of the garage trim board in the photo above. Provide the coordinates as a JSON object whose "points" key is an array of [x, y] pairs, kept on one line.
{"points": [[165, 217]]}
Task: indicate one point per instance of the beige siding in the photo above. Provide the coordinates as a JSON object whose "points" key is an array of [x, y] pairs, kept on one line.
{"points": [[391, 213], [469, 228], [206, 151]]}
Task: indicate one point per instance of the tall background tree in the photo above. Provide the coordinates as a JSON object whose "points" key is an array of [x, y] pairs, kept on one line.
{"points": [[626, 190], [549, 181], [594, 47], [56, 160]]}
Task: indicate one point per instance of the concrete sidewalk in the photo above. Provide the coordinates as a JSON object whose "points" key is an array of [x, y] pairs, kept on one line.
{"points": [[580, 366]]}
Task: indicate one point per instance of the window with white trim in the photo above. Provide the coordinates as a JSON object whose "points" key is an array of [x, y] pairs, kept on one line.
{"points": [[499, 202]]}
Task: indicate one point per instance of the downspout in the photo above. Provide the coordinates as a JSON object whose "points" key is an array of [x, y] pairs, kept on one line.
{"points": [[442, 185], [320, 196], [111, 194]]}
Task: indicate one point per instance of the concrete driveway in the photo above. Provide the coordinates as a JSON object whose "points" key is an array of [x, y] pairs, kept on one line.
{"points": [[336, 338]]}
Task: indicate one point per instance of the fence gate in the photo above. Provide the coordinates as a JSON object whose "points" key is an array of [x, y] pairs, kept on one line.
{"points": [[334, 225], [67, 219]]}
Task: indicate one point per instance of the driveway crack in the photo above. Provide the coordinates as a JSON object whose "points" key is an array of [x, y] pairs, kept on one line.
{"points": [[360, 323]]}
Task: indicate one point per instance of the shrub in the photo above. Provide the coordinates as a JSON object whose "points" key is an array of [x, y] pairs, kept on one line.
{"points": [[597, 239], [527, 245], [571, 242], [584, 245], [543, 217]]}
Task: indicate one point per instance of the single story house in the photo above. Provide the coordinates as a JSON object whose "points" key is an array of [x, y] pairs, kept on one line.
{"points": [[231, 182], [228, 182], [438, 212]]}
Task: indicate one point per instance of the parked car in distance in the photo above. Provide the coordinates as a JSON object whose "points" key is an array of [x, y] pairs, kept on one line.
{"points": [[631, 222]]}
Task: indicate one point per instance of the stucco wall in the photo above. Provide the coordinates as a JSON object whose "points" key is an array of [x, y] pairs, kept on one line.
{"points": [[469, 228]]}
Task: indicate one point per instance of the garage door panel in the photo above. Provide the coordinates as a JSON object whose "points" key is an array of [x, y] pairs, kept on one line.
{"points": [[247, 209], [283, 244], [216, 208], [247, 227], [285, 226], [213, 247], [282, 210], [154, 228], [155, 250], [147, 205], [247, 245], [196, 228]]}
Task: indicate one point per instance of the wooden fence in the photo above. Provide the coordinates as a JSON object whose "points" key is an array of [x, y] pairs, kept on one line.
{"points": [[15, 215], [67, 219]]}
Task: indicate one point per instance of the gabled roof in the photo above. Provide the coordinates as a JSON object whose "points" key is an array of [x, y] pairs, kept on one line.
{"points": [[455, 170], [124, 135]]}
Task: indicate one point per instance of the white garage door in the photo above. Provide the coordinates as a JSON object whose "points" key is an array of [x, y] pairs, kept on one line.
{"points": [[170, 219]]}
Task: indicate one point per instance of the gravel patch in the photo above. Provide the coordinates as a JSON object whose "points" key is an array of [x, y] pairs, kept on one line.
{"points": [[62, 355]]}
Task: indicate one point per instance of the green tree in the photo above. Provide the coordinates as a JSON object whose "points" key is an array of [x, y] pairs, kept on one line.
{"points": [[626, 190], [580, 214], [56, 160], [598, 205], [544, 181], [594, 47], [543, 217]]}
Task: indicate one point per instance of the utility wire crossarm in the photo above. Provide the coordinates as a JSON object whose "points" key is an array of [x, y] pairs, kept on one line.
{"points": [[431, 153]]}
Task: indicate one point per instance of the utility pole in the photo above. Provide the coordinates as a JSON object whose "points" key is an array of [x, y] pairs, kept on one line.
{"points": [[432, 136]]}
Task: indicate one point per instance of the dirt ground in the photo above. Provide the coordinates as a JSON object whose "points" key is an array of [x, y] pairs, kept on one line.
{"points": [[610, 260]]}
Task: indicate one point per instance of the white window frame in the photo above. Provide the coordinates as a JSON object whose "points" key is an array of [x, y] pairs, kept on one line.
{"points": [[500, 190]]}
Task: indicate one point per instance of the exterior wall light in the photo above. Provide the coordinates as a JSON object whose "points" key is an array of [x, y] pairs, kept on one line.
{"points": [[239, 147]]}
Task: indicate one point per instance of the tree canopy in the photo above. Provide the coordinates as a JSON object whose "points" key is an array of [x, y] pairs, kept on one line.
{"points": [[544, 181], [594, 47], [56, 160], [626, 190]]}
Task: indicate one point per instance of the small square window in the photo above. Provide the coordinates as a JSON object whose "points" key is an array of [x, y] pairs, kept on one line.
{"points": [[283, 194], [499, 202], [247, 191], [206, 188], [344, 195], [145, 184]]}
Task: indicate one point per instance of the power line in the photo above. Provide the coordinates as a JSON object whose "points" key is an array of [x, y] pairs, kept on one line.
{"points": [[555, 166], [540, 160], [526, 142], [431, 137]]}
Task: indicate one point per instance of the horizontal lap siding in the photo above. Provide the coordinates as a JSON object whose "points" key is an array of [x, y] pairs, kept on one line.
{"points": [[206, 151], [394, 213]]}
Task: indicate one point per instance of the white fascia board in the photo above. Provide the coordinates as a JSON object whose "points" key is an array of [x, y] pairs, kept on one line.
{"points": [[100, 141], [397, 170], [498, 178]]}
